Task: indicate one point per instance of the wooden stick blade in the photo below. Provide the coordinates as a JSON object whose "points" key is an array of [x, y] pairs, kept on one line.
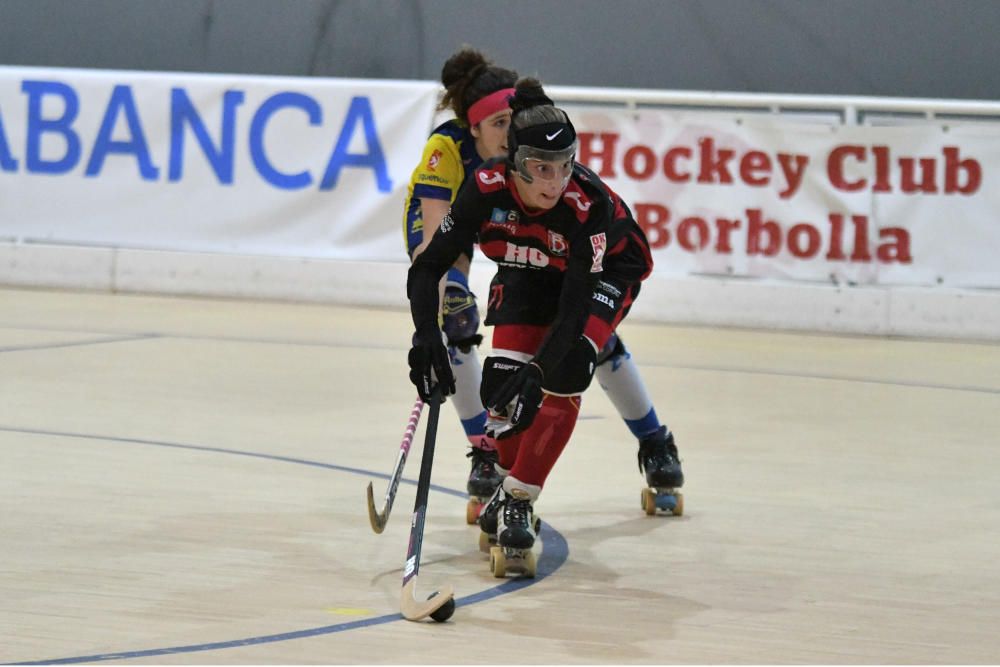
{"points": [[377, 519], [414, 610]]}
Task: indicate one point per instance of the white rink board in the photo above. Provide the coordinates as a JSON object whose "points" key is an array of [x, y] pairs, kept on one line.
{"points": [[896, 311]]}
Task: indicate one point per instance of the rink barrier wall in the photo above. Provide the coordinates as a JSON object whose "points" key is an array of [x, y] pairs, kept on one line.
{"points": [[704, 301], [837, 306]]}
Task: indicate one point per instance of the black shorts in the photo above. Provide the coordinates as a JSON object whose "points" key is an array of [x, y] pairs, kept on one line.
{"points": [[531, 298]]}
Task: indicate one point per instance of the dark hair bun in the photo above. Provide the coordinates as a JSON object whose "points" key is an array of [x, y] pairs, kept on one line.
{"points": [[464, 65], [528, 93]]}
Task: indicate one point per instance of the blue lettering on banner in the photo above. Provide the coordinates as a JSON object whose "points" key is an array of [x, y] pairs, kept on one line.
{"points": [[7, 161], [38, 126], [53, 108], [267, 109], [122, 101], [182, 112], [360, 110]]}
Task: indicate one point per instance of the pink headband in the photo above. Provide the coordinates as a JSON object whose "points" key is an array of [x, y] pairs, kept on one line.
{"points": [[489, 105]]}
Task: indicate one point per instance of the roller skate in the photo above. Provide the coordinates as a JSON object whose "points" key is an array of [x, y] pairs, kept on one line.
{"points": [[488, 519], [483, 481], [511, 515], [664, 477]]}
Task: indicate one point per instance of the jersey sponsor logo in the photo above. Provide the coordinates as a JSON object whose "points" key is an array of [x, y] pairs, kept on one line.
{"points": [[447, 223], [605, 299], [501, 218], [578, 199], [599, 242], [502, 366], [525, 256], [513, 216], [557, 243], [433, 178], [434, 159], [609, 288]]}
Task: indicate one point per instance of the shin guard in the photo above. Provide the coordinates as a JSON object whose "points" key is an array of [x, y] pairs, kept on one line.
{"points": [[545, 439]]}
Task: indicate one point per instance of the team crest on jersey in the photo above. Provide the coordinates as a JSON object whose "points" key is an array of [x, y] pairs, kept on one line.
{"points": [[447, 223], [434, 159], [557, 243], [599, 242]]}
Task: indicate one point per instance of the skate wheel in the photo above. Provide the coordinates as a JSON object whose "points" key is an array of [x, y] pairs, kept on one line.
{"points": [[472, 510], [538, 524], [678, 509], [530, 564], [648, 502], [498, 562], [485, 542], [666, 502]]}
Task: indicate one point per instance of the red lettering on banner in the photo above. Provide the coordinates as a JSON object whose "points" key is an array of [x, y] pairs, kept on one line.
{"points": [[793, 167], [710, 164], [836, 251], [653, 219], [647, 160], [795, 241], [684, 233], [725, 228], [898, 250], [908, 177], [606, 154], [757, 229], [881, 169], [670, 169], [916, 175], [714, 162], [766, 236], [755, 168], [953, 165], [835, 167]]}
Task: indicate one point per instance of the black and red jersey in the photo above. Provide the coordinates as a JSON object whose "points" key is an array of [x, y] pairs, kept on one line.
{"points": [[548, 260]]}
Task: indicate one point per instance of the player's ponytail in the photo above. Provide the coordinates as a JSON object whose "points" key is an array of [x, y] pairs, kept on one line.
{"points": [[528, 92], [469, 77]]}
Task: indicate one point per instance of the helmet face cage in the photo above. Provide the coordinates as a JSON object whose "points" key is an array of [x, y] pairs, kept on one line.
{"points": [[525, 153], [541, 133]]}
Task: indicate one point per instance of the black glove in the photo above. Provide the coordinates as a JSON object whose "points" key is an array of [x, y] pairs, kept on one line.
{"points": [[524, 390], [429, 363]]}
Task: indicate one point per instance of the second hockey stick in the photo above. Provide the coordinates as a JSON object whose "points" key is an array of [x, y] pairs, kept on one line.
{"points": [[377, 518]]}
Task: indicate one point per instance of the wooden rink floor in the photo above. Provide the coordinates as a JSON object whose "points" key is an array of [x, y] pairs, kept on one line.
{"points": [[182, 481]]}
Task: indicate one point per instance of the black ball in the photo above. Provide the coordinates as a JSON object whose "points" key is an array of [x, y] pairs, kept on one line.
{"points": [[444, 612]]}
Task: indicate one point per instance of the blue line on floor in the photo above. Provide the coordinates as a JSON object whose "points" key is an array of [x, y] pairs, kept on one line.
{"points": [[555, 551]]}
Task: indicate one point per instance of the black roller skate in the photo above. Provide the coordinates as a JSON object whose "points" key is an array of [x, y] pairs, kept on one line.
{"points": [[664, 477], [516, 529], [483, 481]]}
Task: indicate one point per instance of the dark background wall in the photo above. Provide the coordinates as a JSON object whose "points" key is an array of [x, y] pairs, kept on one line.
{"points": [[909, 48]]}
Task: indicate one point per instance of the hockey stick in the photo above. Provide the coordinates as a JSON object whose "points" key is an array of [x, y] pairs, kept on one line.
{"points": [[379, 519], [413, 610]]}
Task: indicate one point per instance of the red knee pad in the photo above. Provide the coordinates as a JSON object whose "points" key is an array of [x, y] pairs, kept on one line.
{"points": [[542, 443]]}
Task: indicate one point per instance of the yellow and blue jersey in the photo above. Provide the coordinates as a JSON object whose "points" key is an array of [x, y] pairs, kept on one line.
{"points": [[449, 156]]}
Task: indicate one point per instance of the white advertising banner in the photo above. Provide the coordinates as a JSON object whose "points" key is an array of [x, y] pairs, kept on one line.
{"points": [[318, 168], [209, 163], [771, 198]]}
